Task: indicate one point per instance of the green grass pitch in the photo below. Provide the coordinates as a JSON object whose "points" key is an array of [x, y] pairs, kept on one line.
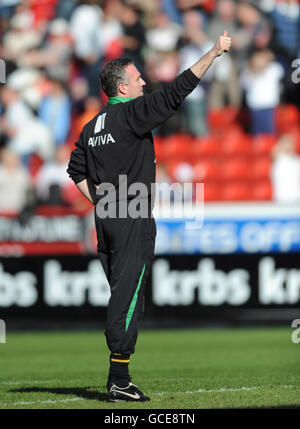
{"points": [[179, 369]]}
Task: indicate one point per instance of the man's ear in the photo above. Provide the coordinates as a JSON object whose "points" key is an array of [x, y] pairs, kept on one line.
{"points": [[122, 89]]}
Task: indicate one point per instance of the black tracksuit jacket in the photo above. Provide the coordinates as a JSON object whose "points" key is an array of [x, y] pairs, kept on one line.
{"points": [[125, 144]]}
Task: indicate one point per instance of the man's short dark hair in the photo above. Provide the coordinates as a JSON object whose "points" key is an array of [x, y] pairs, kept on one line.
{"points": [[112, 74]]}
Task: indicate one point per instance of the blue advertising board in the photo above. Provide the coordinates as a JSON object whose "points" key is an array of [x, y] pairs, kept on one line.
{"points": [[231, 229]]}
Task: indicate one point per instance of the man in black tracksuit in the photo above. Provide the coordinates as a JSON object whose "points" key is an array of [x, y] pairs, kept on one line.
{"points": [[114, 156]]}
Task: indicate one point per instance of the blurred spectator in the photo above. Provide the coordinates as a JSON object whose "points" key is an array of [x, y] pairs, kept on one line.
{"points": [[111, 30], [164, 34], [55, 56], [85, 28], [55, 112], [170, 8], [20, 37], [7, 10], [52, 177], [261, 81], [29, 83], [92, 106], [225, 87], [163, 67], [133, 39], [206, 5], [196, 44], [224, 18], [65, 8], [285, 173], [15, 110], [15, 182], [285, 16], [85, 25], [43, 11], [254, 31], [160, 67], [24, 133], [79, 91], [161, 57]]}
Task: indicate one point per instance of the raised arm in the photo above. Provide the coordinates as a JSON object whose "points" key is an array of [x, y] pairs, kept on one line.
{"points": [[145, 113]]}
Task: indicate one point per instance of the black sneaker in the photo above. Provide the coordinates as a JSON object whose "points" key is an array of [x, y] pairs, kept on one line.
{"points": [[129, 393]]}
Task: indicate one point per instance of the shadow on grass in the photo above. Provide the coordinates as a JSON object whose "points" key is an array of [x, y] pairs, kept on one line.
{"points": [[80, 392]]}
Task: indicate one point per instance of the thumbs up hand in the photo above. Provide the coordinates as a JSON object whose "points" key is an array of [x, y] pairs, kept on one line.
{"points": [[222, 44]]}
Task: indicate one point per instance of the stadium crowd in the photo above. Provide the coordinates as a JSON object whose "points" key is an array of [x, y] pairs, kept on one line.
{"points": [[239, 131]]}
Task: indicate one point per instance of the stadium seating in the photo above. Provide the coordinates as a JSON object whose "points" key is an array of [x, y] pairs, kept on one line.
{"points": [[236, 142], [295, 132], [262, 191], [237, 168], [160, 149], [236, 191], [178, 147], [206, 170], [263, 144], [207, 146], [221, 119], [261, 167], [173, 168], [212, 191], [286, 116], [233, 165]]}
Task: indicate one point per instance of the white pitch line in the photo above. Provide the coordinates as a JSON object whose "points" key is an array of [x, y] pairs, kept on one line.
{"points": [[25, 382], [8, 383], [49, 401], [222, 389]]}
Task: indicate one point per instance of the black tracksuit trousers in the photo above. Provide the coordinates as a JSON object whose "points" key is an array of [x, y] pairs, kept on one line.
{"points": [[126, 250]]}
